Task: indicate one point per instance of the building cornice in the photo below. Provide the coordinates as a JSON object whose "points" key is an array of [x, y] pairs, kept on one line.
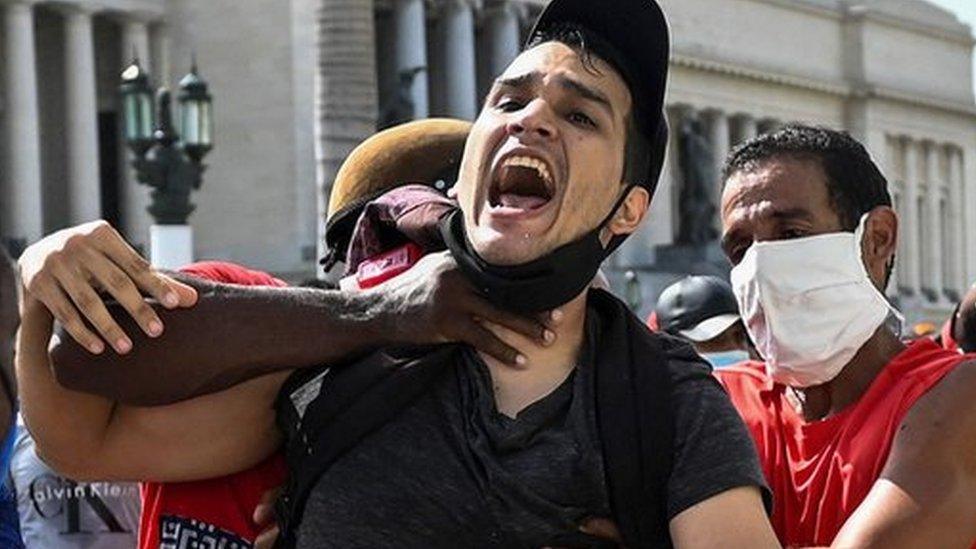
{"points": [[148, 10], [839, 89], [891, 94], [961, 34], [761, 75], [814, 7]]}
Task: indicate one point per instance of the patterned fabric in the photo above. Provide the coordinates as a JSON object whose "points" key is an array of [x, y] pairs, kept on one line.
{"points": [[182, 533], [61, 513]]}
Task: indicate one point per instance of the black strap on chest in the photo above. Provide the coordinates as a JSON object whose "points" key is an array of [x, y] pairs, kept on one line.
{"points": [[325, 412], [633, 392]]}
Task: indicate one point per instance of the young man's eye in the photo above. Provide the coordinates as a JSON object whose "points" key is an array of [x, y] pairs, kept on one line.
{"points": [[581, 119], [509, 105]]}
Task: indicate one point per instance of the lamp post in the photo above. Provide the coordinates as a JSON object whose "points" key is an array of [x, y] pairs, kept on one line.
{"points": [[170, 165]]}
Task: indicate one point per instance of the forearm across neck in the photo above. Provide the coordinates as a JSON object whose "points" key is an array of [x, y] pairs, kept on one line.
{"points": [[232, 334]]}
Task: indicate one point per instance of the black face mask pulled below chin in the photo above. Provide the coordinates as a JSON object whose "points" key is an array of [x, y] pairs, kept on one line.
{"points": [[539, 285]]}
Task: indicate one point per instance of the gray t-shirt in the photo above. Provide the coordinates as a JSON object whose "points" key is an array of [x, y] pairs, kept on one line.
{"points": [[57, 513], [450, 471]]}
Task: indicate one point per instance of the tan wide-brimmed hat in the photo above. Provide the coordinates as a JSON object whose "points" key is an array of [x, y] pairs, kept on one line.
{"points": [[422, 151]]}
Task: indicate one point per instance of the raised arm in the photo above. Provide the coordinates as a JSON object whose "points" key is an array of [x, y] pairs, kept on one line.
{"points": [[926, 495], [88, 437], [226, 333]]}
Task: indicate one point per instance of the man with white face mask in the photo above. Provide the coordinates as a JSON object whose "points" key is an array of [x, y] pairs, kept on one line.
{"points": [[866, 442]]}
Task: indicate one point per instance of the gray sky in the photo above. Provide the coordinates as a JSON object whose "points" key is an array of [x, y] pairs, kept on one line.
{"points": [[965, 10]]}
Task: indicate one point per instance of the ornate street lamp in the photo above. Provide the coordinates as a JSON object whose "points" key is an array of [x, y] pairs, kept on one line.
{"points": [[137, 108], [196, 115], [170, 165]]}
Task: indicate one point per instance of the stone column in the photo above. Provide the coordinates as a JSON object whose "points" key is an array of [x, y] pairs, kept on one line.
{"points": [[503, 36], [672, 199], [957, 197], [411, 50], [967, 171], [21, 207], [346, 101], [933, 203], [133, 196], [745, 128], [81, 127], [719, 139], [460, 76], [911, 272], [660, 217]]}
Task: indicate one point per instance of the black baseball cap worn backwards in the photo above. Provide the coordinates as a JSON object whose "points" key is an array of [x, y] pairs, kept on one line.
{"points": [[638, 33]]}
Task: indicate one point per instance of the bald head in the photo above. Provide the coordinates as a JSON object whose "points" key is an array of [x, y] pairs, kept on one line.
{"points": [[964, 327]]}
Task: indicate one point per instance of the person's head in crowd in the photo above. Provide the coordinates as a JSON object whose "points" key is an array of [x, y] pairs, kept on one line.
{"points": [[565, 154], [964, 322], [811, 233], [703, 311], [426, 151]]}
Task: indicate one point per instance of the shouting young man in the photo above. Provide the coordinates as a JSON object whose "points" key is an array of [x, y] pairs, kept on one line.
{"points": [[447, 447], [866, 442]]}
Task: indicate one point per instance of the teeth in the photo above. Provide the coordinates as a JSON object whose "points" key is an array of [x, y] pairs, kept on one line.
{"points": [[529, 162]]}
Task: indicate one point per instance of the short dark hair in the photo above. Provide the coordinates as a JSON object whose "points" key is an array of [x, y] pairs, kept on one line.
{"points": [[637, 148], [855, 184], [964, 322]]}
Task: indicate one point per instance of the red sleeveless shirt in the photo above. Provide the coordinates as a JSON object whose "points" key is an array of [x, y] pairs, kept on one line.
{"points": [[820, 471]]}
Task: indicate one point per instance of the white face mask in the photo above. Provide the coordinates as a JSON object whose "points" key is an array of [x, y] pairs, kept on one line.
{"points": [[808, 304]]}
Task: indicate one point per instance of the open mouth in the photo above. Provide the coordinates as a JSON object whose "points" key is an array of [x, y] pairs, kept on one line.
{"points": [[521, 183]]}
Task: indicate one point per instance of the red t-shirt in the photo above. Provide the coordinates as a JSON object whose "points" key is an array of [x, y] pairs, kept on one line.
{"points": [[820, 471], [216, 512]]}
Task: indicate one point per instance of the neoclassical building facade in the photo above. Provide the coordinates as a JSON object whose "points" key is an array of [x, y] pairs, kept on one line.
{"points": [[298, 83], [60, 65]]}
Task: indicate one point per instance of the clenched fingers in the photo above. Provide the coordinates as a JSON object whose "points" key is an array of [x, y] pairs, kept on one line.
{"points": [[121, 287], [267, 539], [485, 341], [164, 289], [264, 511], [63, 310], [601, 528], [529, 327], [91, 306]]}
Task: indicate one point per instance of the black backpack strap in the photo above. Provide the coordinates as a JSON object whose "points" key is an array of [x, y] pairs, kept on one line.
{"points": [[334, 409], [635, 421], [657, 435]]}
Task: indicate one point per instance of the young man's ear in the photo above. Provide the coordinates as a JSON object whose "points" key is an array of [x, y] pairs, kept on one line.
{"points": [[630, 213], [880, 242]]}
